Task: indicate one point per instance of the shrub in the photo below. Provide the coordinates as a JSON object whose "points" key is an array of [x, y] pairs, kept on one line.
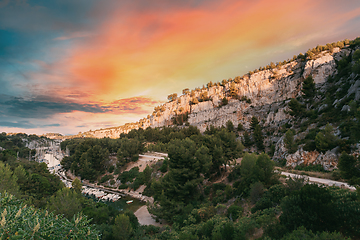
{"points": [[123, 186], [325, 140], [164, 166], [106, 178], [289, 141], [26, 222], [234, 212], [256, 191], [111, 169]]}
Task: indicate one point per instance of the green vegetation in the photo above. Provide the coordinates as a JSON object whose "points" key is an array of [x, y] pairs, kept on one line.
{"points": [[20, 221], [289, 141], [89, 158], [199, 189]]}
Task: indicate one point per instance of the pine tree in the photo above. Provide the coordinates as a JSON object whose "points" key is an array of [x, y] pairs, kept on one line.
{"points": [[247, 140], [254, 122], [289, 141], [308, 88], [259, 139]]}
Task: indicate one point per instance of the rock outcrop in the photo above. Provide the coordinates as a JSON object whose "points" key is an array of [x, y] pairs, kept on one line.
{"points": [[266, 89], [328, 159]]}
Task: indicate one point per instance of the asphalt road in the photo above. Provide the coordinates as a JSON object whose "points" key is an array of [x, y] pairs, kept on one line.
{"points": [[327, 182]]}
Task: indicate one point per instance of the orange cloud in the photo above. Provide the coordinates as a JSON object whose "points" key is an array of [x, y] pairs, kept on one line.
{"points": [[133, 52], [150, 53]]}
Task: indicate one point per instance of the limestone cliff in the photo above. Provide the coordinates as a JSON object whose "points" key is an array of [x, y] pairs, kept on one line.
{"points": [[264, 94], [266, 89]]}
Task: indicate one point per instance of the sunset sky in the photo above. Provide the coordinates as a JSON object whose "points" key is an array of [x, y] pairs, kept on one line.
{"points": [[74, 65]]}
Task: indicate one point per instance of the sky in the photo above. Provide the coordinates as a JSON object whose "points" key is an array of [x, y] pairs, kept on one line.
{"points": [[70, 66]]}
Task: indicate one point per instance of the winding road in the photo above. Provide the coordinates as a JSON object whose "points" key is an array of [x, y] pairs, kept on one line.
{"points": [[315, 180]]}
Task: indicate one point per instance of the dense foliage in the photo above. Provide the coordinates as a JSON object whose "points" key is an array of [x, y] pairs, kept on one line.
{"points": [[89, 158], [19, 221]]}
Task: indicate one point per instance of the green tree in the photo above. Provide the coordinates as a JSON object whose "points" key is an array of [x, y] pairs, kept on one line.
{"points": [[21, 175], [194, 100], [259, 138], [256, 192], [8, 180], [254, 122], [247, 166], [240, 127], [230, 126], [350, 168], [234, 212], [302, 233], [66, 202], [308, 88], [224, 101], [325, 140], [247, 140], [310, 207], [264, 169], [122, 228], [296, 109], [204, 96], [77, 185], [290, 145]]}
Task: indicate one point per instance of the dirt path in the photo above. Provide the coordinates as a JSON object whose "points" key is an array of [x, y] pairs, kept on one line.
{"points": [[145, 218], [145, 160]]}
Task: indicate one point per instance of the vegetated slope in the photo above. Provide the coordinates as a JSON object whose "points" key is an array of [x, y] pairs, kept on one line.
{"points": [[265, 94]]}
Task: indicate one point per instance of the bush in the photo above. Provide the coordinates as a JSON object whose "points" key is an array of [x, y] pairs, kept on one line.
{"points": [[26, 222], [224, 101], [325, 140], [256, 191], [164, 166], [123, 186], [106, 178], [129, 175], [309, 146], [289, 141], [234, 212], [111, 169], [311, 168]]}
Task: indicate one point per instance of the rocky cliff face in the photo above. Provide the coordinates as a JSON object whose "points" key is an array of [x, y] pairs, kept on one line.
{"points": [[267, 90], [264, 94]]}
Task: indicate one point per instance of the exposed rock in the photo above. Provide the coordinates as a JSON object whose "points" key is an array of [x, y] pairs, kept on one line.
{"points": [[280, 149], [301, 157], [355, 88], [345, 108], [328, 160], [320, 68], [267, 89], [322, 107]]}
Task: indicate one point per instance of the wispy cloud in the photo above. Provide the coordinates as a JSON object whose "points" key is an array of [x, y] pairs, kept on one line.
{"points": [[45, 106]]}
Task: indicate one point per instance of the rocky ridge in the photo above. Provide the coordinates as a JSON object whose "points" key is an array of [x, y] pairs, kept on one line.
{"points": [[267, 89], [264, 94]]}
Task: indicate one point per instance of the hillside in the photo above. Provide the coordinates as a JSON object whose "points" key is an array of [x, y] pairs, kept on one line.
{"points": [[265, 91], [223, 142], [265, 94]]}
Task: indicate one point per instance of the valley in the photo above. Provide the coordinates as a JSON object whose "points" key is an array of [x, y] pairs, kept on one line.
{"points": [[241, 154]]}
